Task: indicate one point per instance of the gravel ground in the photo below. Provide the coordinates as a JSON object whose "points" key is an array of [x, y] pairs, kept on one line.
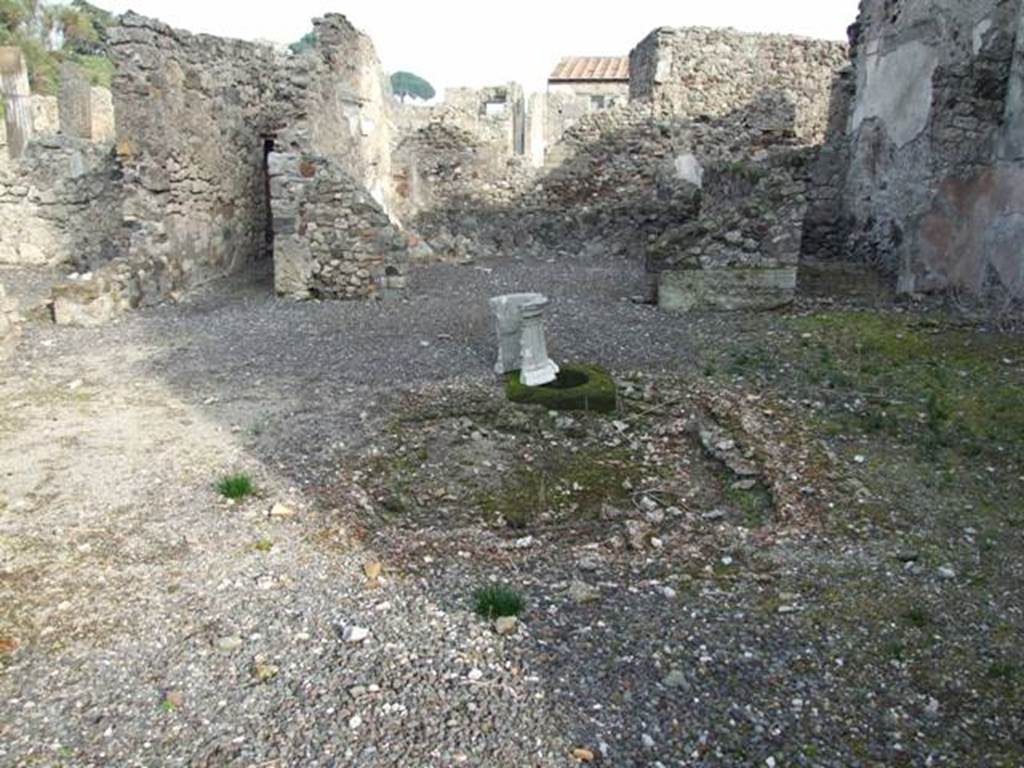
{"points": [[147, 621]]}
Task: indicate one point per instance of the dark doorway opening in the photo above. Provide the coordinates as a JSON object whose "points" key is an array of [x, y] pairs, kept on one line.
{"points": [[268, 225]]}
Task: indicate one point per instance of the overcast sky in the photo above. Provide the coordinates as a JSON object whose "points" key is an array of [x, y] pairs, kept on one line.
{"points": [[455, 42]]}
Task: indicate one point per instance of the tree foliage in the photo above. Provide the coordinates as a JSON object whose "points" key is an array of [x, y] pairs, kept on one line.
{"points": [[49, 33], [305, 43], [406, 84]]}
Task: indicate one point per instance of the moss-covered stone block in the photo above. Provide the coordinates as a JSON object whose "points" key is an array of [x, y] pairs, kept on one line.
{"points": [[578, 388]]}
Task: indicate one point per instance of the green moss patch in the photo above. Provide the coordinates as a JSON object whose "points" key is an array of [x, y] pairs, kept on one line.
{"points": [[564, 486], [924, 380], [579, 387]]}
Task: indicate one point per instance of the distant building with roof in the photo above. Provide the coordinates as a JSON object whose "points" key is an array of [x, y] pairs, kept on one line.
{"points": [[602, 79]]}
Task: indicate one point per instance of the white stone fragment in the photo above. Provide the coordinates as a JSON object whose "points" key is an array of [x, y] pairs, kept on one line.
{"points": [[356, 634], [688, 168]]}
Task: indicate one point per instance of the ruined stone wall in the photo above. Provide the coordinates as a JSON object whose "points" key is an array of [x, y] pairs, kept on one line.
{"points": [[323, 250], [60, 205], [101, 104], [494, 116], [935, 187], [83, 110], [825, 231], [449, 183], [551, 115], [197, 118], [44, 123], [331, 186], [742, 249], [715, 72], [455, 163], [192, 111], [624, 178], [338, 104]]}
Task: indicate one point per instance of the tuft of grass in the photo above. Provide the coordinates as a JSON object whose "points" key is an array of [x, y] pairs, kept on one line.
{"points": [[917, 617], [1001, 670], [236, 486], [896, 650], [497, 600], [756, 505]]}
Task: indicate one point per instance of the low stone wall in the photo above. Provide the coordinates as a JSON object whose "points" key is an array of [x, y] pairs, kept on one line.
{"points": [[742, 249], [332, 239], [60, 204], [695, 72]]}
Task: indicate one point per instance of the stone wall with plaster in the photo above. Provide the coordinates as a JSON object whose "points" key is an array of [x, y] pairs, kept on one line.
{"points": [[335, 101], [934, 193], [695, 72], [326, 250]]}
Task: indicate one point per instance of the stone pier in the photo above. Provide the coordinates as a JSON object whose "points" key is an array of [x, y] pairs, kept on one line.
{"points": [[17, 100]]}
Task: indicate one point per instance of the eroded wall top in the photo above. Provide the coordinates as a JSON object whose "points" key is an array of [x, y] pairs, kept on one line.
{"points": [[714, 72]]}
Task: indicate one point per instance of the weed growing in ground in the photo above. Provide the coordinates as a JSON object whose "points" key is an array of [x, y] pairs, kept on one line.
{"points": [[236, 486], [497, 600], [917, 617]]}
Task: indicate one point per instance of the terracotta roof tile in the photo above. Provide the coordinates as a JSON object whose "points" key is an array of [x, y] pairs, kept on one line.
{"points": [[592, 68]]}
